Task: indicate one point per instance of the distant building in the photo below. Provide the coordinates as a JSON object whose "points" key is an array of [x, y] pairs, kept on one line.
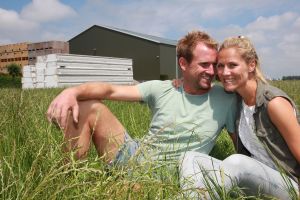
{"points": [[25, 53], [13, 53], [153, 57], [45, 48]]}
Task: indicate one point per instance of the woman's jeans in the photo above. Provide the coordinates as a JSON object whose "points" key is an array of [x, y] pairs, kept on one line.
{"points": [[254, 177]]}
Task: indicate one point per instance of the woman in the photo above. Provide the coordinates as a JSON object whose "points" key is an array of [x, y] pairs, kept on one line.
{"points": [[268, 132]]}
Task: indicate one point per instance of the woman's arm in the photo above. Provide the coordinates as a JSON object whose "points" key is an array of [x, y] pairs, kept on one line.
{"points": [[283, 117]]}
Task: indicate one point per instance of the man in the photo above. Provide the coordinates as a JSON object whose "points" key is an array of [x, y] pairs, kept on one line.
{"points": [[188, 118]]}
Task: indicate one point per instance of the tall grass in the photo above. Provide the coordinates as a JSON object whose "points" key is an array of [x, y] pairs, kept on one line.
{"points": [[32, 165], [292, 88]]}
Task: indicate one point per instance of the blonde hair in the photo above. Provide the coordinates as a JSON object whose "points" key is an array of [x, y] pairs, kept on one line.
{"points": [[247, 52], [187, 44]]}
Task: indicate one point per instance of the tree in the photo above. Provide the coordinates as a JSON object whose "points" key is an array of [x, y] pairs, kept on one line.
{"points": [[291, 78], [14, 70]]}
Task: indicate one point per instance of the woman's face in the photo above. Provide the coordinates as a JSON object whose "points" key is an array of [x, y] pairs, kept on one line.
{"points": [[232, 69]]}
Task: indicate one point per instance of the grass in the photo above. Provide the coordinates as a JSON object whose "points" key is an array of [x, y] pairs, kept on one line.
{"points": [[32, 165], [7, 81], [292, 88]]}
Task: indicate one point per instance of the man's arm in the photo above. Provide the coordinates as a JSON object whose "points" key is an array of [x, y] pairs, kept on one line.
{"points": [[68, 99]]}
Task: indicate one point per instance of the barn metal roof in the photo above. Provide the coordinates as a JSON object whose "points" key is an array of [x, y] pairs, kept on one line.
{"points": [[152, 38]]}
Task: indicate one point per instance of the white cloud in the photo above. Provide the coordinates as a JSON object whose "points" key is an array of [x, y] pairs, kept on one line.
{"points": [[272, 23], [278, 43], [297, 23], [290, 45], [29, 24], [46, 10], [14, 27], [257, 36], [10, 20], [47, 35], [276, 39], [292, 38]]}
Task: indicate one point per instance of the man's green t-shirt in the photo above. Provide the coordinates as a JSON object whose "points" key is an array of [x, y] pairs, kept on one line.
{"points": [[182, 122]]}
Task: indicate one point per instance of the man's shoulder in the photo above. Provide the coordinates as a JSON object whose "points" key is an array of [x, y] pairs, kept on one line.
{"points": [[154, 88], [155, 84]]}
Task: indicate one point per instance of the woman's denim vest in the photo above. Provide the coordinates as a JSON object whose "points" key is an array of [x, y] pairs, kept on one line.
{"points": [[267, 133]]}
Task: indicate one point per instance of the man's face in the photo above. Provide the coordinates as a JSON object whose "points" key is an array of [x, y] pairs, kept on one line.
{"points": [[199, 73]]}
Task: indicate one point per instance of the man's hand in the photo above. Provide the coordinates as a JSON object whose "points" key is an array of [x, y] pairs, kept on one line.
{"points": [[58, 110]]}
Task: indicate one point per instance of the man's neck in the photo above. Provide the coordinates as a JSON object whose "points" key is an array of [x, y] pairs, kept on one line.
{"points": [[195, 91]]}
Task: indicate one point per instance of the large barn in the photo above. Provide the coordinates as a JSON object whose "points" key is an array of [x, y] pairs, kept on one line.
{"points": [[153, 57]]}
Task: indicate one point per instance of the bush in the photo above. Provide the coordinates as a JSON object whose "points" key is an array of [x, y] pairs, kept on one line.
{"points": [[14, 70], [7, 81]]}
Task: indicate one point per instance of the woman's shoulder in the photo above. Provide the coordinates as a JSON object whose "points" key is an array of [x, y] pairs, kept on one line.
{"points": [[270, 91]]}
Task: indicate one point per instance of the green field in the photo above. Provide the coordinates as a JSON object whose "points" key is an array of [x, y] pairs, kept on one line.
{"points": [[32, 165], [9, 82]]}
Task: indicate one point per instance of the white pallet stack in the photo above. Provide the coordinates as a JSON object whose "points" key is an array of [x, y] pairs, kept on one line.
{"points": [[40, 68], [63, 70], [29, 77]]}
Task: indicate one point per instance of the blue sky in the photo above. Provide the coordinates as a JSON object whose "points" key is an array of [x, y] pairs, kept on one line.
{"points": [[273, 25]]}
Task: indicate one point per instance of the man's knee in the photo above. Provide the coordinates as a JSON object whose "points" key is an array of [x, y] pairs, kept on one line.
{"points": [[87, 115], [90, 109], [90, 106]]}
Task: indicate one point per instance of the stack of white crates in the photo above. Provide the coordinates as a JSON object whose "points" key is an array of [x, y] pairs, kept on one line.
{"points": [[29, 77], [63, 70], [40, 68]]}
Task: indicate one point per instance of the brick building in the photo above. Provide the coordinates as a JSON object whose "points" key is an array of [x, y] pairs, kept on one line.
{"points": [[45, 48], [25, 53], [13, 53]]}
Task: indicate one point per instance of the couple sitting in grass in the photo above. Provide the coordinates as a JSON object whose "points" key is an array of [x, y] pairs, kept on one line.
{"points": [[262, 121]]}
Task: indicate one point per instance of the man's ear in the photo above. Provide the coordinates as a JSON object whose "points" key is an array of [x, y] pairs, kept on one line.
{"points": [[252, 66], [182, 63]]}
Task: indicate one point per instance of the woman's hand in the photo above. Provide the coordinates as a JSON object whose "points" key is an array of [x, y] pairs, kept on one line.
{"points": [[177, 82]]}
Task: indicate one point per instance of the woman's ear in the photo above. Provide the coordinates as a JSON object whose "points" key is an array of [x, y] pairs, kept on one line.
{"points": [[182, 63], [252, 66]]}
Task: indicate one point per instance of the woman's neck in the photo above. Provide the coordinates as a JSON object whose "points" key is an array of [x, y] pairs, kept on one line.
{"points": [[248, 92]]}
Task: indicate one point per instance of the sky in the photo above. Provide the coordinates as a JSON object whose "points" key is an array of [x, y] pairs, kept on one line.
{"points": [[272, 25]]}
